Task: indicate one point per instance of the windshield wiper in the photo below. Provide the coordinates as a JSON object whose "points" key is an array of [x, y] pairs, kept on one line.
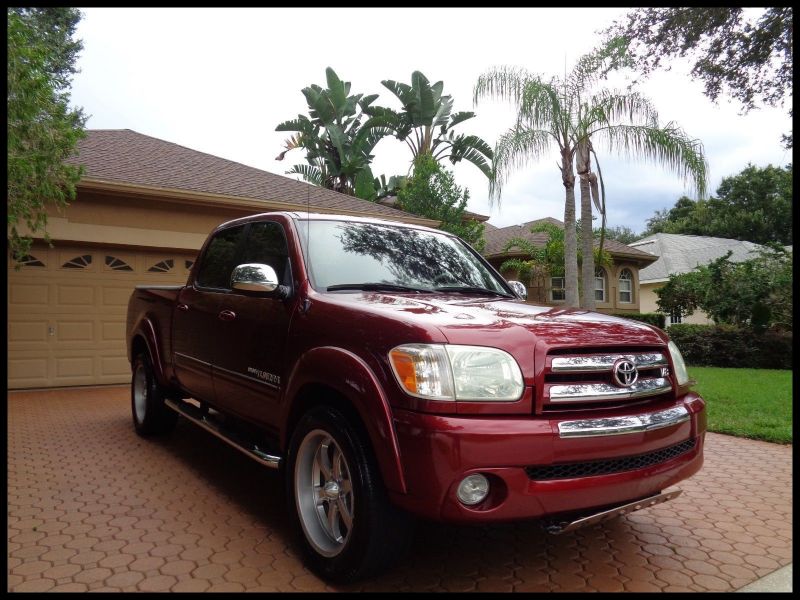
{"points": [[375, 287], [471, 290]]}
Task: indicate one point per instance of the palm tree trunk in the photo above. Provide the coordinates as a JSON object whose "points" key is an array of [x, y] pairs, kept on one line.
{"points": [[570, 237], [582, 158]]}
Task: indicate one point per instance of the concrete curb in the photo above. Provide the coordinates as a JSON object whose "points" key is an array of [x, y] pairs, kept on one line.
{"points": [[777, 581]]}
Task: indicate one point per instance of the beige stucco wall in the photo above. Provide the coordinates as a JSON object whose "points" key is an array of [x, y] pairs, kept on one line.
{"points": [[134, 222], [541, 295], [649, 303]]}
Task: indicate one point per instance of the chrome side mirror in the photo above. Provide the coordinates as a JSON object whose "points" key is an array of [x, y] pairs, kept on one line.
{"points": [[254, 277], [519, 289]]}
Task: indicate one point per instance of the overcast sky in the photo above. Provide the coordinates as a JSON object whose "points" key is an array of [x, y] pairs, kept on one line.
{"points": [[220, 80]]}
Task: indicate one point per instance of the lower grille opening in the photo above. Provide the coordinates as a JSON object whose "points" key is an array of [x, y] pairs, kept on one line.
{"points": [[606, 467]]}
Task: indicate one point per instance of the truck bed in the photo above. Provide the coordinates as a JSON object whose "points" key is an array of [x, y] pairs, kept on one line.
{"points": [[156, 304]]}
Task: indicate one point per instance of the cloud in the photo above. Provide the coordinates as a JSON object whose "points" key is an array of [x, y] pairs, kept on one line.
{"points": [[220, 80]]}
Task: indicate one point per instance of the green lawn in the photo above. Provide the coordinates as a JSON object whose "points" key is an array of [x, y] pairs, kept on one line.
{"points": [[751, 403]]}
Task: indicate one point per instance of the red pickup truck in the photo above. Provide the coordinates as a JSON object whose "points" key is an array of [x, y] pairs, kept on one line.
{"points": [[388, 370]]}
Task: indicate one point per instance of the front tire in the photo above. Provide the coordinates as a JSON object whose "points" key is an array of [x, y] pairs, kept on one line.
{"points": [[349, 530], [150, 415]]}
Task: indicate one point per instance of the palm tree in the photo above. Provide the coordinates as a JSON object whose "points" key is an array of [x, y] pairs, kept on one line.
{"points": [[565, 113], [426, 124], [338, 146]]}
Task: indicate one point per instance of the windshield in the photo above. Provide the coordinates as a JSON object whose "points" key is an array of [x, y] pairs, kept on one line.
{"points": [[344, 256]]}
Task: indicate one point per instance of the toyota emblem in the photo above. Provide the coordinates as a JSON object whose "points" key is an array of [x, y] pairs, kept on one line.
{"points": [[625, 373]]}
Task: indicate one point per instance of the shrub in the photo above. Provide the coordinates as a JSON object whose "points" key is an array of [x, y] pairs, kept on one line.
{"points": [[656, 319], [730, 346]]}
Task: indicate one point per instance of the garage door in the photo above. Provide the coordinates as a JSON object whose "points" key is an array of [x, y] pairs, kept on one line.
{"points": [[67, 308]]}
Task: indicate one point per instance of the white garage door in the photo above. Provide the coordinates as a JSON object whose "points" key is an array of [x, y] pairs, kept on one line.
{"points": [[67, 308]]}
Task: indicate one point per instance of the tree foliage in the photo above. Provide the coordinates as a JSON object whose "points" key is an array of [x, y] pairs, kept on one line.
{"points": [[426, 124], [545, 260], [42, 128], [756, 293], [431, 192], [733, 50], [620, 233], [754, 205], [338, 146]]}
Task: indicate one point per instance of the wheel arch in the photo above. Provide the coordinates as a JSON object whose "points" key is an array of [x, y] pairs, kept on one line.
{"points": [[143, 340], [318, 379]]}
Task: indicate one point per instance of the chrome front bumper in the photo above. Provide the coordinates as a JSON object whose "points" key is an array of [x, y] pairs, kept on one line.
{"points": [[566, 526], [623, 425]]}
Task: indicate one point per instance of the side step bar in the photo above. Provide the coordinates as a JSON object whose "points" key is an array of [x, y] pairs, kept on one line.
{"points": [[567, 526], [201, 418]]}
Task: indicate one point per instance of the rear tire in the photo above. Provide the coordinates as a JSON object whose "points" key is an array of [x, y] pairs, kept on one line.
{"points": [[349, 530], [150, 415]]}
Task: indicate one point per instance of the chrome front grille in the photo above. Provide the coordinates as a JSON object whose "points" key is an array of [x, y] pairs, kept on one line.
{"points": [[605, 362], [574, 379], [592, 392]]}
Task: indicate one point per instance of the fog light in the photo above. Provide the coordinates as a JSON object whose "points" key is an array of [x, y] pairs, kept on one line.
{"points": [[473, 489]]}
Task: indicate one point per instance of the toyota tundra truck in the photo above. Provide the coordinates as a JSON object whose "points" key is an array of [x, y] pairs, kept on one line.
{"points": [[389, 372]]}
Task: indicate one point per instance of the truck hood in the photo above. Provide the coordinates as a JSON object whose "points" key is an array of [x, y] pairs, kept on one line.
{"points": [[479, 320]]}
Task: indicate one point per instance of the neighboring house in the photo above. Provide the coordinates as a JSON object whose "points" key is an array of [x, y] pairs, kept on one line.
{"points": [[677, 254], [616, 289], [143, 209]]}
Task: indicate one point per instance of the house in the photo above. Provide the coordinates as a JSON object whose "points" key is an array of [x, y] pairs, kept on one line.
{"points": [[677, 254], [143, 209], [616, 288]]}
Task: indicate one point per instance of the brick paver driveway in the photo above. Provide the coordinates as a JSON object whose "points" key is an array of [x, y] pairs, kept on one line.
{"points": [[92, 506]]}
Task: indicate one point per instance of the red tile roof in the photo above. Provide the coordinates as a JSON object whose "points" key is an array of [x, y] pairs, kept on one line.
{"points": [[126, 157]]}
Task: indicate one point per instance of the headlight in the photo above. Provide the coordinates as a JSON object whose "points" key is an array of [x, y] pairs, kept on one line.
{"points": [[680, 367], [450, 372]]}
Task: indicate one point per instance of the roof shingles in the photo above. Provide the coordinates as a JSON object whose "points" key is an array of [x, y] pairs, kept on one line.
{"points": [[496, 240], [127, 157], [679, 253]]}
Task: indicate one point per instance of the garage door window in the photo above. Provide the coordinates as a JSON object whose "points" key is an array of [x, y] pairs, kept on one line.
{"points": [[164, 266], [79, 262], [117, 264], [30, 261]]}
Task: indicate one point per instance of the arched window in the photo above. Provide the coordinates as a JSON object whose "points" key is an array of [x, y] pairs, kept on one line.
{"points": [[557, 292], [600, 284], [163, 266], [626, 286], [30, 261], [117, 264], [79, 262]]}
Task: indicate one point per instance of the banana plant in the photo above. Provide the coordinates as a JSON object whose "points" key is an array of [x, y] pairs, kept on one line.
{"points": [[426, 124], [338, 145]]}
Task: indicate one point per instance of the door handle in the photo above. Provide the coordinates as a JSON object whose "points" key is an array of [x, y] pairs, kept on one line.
{"points": [[227, 315], [183, 307]]}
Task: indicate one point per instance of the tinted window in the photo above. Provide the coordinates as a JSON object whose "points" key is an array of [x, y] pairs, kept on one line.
{"points": [[216, 264], [350, 253], [266, 244]]}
